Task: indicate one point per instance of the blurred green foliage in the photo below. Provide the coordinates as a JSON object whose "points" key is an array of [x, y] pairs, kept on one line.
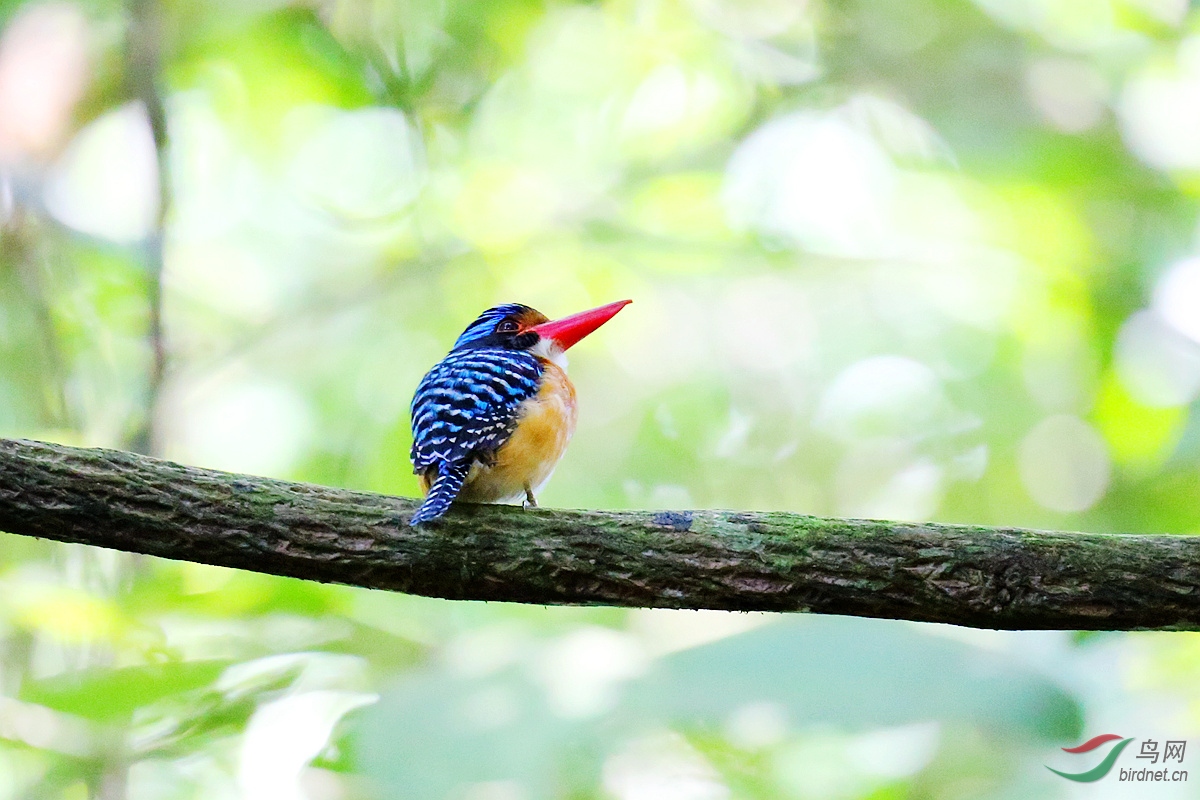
{"points": [[894, 259]]}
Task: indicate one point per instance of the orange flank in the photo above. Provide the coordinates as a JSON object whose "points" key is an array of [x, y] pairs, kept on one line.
{"points": [[545, 423]]}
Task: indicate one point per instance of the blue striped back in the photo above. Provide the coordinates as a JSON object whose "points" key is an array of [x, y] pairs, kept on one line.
{"points": [[465, 407]]}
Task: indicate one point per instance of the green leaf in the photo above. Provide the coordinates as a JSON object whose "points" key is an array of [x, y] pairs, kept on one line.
{"points": [[856, 674], [434, 733], [111, 695]]}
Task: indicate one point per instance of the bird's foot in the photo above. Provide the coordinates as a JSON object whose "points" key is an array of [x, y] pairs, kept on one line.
{"points": [[530, 501]]}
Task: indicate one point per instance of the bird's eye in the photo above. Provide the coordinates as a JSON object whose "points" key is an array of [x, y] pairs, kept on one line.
{"points": [[508, 326]]}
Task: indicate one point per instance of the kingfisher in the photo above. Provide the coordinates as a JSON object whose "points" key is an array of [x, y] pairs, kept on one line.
{"points": [[492, 419]]}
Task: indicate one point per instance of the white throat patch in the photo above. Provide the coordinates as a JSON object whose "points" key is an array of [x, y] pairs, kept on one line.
{"points": [[549, 350]]}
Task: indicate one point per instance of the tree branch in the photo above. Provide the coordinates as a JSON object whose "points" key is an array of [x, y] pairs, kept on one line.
{"points": [[745, 561]]}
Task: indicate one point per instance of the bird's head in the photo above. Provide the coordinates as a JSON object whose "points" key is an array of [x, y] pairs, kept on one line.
{"points": [[517, 327]]}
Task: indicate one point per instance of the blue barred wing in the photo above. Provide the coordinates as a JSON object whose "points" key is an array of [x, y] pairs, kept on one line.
{"points": [[466, 407]]}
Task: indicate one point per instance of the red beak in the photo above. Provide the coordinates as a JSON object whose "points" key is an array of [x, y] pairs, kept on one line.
{"points": [[569, 330]]}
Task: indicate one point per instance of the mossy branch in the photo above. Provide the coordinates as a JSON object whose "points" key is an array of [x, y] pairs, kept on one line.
{"points": [[745, 561]]}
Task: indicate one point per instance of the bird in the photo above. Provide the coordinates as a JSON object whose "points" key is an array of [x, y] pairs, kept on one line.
{"points": [[491, 420]]}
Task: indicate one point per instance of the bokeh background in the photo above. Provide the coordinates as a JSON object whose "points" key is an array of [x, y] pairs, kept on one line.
{"points": [[910, 259]]}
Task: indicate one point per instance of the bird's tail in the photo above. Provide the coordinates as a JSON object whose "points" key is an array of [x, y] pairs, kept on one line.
{"points": [[445, 488]]}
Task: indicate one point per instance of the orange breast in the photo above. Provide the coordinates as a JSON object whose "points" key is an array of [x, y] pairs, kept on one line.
{"points": [[545, 423]]}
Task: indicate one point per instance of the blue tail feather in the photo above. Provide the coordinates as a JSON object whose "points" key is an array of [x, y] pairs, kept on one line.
{"points": [[445, 488]]}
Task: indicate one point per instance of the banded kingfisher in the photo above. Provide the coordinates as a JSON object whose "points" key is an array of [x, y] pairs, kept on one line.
{"points": [[492, 419]]}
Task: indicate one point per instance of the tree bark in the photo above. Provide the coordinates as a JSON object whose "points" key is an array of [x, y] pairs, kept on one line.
{"points": [[976, 576]]}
